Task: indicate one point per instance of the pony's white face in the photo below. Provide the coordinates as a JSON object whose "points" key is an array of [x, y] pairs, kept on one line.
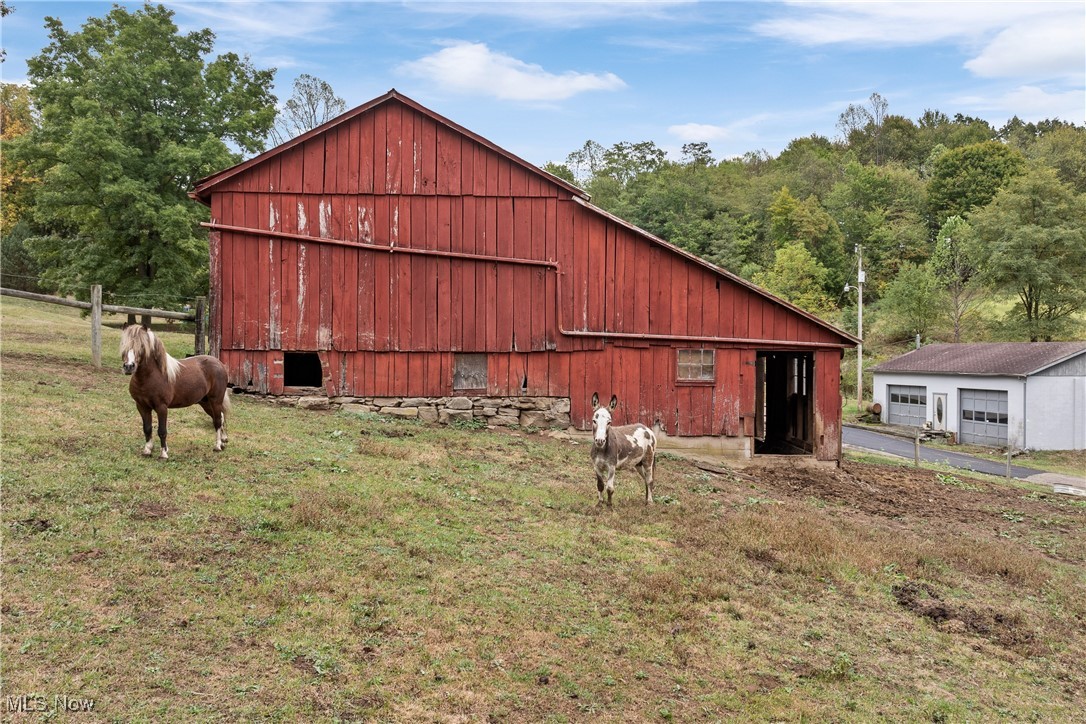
{"points": [[134, 346], [601, 423]]}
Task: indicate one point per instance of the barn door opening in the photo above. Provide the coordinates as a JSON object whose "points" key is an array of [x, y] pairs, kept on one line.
{"points": [[302, 369], [784, 419]]}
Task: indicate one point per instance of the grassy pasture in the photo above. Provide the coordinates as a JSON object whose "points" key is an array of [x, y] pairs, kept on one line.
{"points": [[335, 567]]}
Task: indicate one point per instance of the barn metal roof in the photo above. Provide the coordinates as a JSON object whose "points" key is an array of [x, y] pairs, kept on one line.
{"points": [[1014, 359]]}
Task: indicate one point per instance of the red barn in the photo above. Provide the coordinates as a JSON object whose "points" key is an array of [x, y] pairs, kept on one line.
{"points": [[391, 253]]}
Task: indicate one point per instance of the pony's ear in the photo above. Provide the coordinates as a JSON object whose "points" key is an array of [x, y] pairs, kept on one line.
{"points": [[595, 400], [124, 326], [146, 325], [614, 402]]}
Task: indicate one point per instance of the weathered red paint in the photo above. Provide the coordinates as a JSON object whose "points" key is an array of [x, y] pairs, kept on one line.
{"points": [[307, 255]]}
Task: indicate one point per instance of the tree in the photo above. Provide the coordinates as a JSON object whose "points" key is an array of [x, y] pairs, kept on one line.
{"points": [[966, 178], [797, 277], [16, 182], [862, 127], [954, 263], [312, 104], [560, 170], [1032, 235], [912, 302], [792, 220], [131, 116]]}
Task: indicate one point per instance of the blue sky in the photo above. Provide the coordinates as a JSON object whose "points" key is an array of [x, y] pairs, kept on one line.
{"points": [[539, 79]]}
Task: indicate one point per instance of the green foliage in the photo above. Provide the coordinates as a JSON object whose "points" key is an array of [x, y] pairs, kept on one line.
{"points": [[1032, 238], [806, 222], [967, 178], [17, 118], [796, 276], [18, 268], [913, 302], [131, 116], [956, 262]]}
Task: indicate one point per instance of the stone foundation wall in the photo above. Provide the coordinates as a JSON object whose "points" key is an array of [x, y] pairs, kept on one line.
{"points": [[542, 412]]}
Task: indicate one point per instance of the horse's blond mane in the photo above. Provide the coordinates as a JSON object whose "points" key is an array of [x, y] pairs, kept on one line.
{"points": [[146, 345]]}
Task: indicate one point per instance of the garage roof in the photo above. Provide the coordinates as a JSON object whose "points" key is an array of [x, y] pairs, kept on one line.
{"points": [[984, 358]]}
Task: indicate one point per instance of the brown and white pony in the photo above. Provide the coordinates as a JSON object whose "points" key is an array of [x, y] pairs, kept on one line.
{"points": [[618, 448], [160, 382]]}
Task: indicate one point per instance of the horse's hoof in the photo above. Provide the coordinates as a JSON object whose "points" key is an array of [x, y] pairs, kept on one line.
{"points": [[146, 453], [163, 456], [218, 448]]}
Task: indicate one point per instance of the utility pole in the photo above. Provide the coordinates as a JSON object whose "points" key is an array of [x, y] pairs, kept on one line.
{"points": [[860, 279]]}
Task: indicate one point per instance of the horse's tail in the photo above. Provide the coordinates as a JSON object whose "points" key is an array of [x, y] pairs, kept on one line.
{"points": [[226, 400]]}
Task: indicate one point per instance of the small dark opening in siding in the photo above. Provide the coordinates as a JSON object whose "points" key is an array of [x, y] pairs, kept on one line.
{"points": [[302, 369]]}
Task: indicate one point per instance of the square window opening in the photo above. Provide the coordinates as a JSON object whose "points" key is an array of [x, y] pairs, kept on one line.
{"points": [[469, 372], [696, 365]]}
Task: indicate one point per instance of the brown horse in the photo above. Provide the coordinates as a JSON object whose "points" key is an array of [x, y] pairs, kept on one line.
{"points": [[160, 382]]}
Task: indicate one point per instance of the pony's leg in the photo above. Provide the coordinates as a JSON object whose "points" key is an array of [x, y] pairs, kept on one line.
{"points": [[647, 468], [217, 417], [161, 412], [610, 488], [599, 489], [145, 415]]}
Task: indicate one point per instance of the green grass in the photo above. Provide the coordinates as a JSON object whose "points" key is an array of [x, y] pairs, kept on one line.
{"points": [[336, 567]]}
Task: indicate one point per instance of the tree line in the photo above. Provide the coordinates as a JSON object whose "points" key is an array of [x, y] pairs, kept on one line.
{"points": [[967, 231]]}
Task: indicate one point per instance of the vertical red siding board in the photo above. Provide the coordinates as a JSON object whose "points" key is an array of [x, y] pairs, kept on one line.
{"points": [[492, 165], [326, 282], [417, 296], [679, 300], [338, 263], [469, 315], [521, 291], [443, 321], [393, 149], [497, 372], [597, 273], [646, 411], [226, 291], [401, 319], [558, 384], [629, 384], [710, 305], [262, 248], [382, 275], [481, 171], [256, 311], [416, 374], [505, 184], [467, 166], [313, 166], [748, 378], [274, 169], [366, 161], [332, 153], [505, 302], [694, 296], [290, 180], [488, 225], [447, 181], [537, 231], [518, 180], [580, 402], [288, 286], [663, 368], [551, 303], [428, 158]]}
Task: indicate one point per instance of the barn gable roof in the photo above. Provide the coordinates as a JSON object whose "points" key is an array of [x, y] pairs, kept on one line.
{"points": [[205, 187], [1011, 359]]}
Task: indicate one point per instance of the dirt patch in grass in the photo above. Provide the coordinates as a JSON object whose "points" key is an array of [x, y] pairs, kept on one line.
{"points": [[152, 510]]}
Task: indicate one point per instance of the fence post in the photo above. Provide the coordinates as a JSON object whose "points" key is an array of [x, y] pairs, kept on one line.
{"points": [[201, 304], [96, 324]]}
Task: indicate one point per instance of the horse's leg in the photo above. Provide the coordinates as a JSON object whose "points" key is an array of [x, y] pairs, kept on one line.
{"points": [[145, 415], [161, 411], [647, 468], [217, 416], [610, 487], [599, 489]]}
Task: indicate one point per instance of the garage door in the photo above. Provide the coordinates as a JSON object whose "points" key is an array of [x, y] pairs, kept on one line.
{"points": [[984, 417], [908, 405]]}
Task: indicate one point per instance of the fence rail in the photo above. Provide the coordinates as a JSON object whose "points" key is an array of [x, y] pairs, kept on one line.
{"points": [[97, 308]]}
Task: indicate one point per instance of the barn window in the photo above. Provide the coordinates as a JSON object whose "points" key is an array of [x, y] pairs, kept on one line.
{"points": [[469, 372], [697, 365]]}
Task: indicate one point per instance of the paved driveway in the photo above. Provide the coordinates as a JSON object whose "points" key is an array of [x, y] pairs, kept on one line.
{"points": [[903, 447]]}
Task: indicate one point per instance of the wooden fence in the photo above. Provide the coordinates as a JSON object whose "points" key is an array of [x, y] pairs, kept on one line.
{"points": [[97, 308]]}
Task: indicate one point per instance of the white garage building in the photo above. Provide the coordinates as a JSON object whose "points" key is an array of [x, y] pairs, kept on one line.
{"points": [[1031, 395]]}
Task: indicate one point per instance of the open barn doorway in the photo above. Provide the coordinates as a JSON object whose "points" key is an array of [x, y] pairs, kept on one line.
{"points": [[784, 404]]}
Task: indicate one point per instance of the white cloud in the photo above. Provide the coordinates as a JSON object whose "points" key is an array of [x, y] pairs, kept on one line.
{"points": [[560, 14], [1008, 39], [1047, 48], [1032, 104], [262, 23], [694, 132], [474, 69]]}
